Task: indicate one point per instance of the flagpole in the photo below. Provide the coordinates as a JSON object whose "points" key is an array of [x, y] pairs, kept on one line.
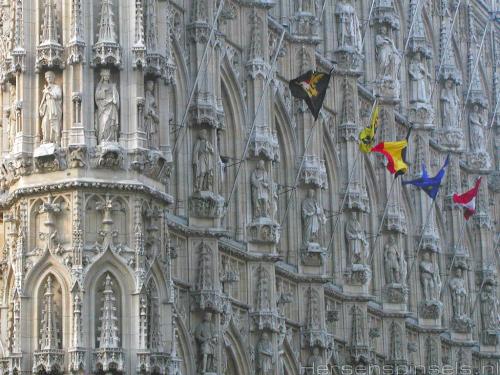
{"points": [[381, 222], [193, 89], [351, 174], [422, 236], [254, 122]]}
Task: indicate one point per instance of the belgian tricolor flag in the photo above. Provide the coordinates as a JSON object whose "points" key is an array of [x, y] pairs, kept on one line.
{"points": [[311, 87], [395, 153]]}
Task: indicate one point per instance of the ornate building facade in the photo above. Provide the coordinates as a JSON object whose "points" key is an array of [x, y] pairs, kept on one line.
{"points": [[169, 207]]}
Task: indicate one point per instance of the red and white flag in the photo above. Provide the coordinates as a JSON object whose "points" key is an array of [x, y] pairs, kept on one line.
{"points": [[468, 200]]}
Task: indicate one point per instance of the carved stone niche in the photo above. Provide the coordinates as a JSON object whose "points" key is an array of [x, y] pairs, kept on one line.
{"points": [[314, 172], [205, 112], [396, 220], [357, 198], [49, 158], [152, 164], [265, 143], [396, 293], [206, 204], [421, 115], [264, 230], [108, 155]]}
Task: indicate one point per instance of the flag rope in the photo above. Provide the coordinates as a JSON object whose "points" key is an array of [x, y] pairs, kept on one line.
{"points": [[193, 89], [254, 122], [351, 174], [422, 236], [377, 236]]}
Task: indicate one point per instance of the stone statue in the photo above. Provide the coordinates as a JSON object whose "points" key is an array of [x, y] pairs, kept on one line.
{"points": [[458, 293], [429, 278], [261, 191], [107, 101], [348, 34], [450, 105], [264, 355], [357, 245], [206, 338], [314, 362], [388, 56], [312, 219], [477, 126], [394, 263], [51, 110], [203, 171], [418, 80], [12, 115], [151, 116], [490, 313]]}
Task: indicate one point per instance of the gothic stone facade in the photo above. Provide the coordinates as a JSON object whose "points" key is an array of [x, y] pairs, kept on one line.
{"points": [[156, 220]]}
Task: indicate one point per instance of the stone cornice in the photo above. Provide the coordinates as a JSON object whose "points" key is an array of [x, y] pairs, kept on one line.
{"points": [[7, 199]]}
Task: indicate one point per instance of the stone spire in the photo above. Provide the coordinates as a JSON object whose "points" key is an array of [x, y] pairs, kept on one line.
{"points": [[50, 34], [77, 321], [107, 48], [139, 48], [49, 333], [108, 337], [76, 43], [151, 26], [204, 281]]}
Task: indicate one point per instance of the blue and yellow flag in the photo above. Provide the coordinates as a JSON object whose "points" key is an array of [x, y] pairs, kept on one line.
{"points": [[430, 185]]}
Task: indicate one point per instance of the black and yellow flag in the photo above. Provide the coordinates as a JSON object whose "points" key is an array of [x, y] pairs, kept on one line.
{"points": [[311, 87], [367, 135]]}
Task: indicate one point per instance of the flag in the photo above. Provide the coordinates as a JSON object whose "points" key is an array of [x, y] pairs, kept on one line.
{"points": [[430, 185], [311, 87], [468, 200], [367, 135], [395, 152]]}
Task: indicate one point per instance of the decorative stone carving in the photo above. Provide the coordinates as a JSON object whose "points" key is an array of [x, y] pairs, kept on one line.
{"points": [[348, 27], [450, 104], [478, 157], [314, 361], [51, 110], [203, 170], [264, 355], [49, 51], [357, 245], [460, 321], [388, 62], [107, 49], [358, 347], [418, 80], [314, 172], [490, 314], [12, 112], [108, 155], [395, 267], [108, 102], [151, 116], [206, 337], [77, 156], [262, 186], [76, 352], [396, 350], [108, 355], [49, 158], [50, 356], [265, 143], [76, 44], [313, 218], [431, 286]]}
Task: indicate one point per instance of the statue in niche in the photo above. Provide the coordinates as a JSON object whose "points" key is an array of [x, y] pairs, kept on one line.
{"points": [[51, 110], [388, 56], [314, 362], [312, 219], [458, 293], [357, 245], [348, 34], [11, 113], [477, 126], [203, 170], [261, 191], [418, 80], [450, 105], [264, 355], [151, 116], [206, 336], [429, 278], [490, 313], [107, 101], [394, 262]]}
